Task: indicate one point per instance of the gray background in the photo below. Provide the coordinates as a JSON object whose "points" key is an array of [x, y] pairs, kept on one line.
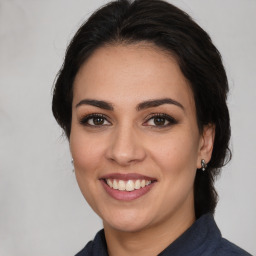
{"points": [[42, 212]]}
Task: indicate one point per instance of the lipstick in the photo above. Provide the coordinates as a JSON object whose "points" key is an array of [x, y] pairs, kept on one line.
{"points": [[127, 187]]}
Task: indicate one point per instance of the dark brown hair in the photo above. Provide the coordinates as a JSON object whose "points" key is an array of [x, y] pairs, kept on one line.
{"points": [[174, 31]]}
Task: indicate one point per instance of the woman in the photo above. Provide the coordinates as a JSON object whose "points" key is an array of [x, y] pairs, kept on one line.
{"points": [[141, 97]]}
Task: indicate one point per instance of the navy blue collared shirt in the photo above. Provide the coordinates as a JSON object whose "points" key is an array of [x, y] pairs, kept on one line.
{"points": [[203, 238]]}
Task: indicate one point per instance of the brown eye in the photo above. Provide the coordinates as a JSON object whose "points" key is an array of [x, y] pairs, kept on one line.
{"points": [[95, 120], [159, 121]]}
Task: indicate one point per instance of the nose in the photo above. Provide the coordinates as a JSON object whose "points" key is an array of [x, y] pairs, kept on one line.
{"points": [[125, 147]]}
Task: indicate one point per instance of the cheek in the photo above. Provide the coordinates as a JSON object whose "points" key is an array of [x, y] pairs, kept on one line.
{"points": [[177, 160], [176, 156], [176, 152], [86, 150]]}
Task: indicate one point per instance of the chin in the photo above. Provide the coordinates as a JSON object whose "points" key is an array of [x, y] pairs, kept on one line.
{"points": [[129, 222], [125, 227]]}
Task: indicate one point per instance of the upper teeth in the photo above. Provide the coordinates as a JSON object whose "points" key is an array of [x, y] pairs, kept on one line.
{"points": [[128, 185]]}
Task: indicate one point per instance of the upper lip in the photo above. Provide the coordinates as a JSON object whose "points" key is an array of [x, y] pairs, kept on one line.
{"points": [[127, 176]]}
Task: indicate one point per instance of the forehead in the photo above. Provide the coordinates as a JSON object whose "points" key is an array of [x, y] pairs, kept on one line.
{"points": [[131, 73]]}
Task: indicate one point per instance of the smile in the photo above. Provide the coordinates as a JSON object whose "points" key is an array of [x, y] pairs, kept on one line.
{"points": [[129, 185]]}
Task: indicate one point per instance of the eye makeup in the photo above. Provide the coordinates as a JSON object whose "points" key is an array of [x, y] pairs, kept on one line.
{"points": [[95, 119], [160, 120], [154, 120]]}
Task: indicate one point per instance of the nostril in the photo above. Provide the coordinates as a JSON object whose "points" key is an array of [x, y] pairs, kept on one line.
{"points": [[125, 147], [126, 158]]}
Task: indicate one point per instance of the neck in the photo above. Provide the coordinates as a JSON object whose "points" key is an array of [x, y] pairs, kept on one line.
{"points": [[148, 241]]}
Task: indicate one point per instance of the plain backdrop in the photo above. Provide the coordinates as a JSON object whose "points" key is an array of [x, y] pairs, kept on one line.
{"points": [[42, 212]]}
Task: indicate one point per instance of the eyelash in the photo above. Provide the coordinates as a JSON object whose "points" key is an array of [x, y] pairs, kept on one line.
{"points": [[85, 120], [171, 121]]}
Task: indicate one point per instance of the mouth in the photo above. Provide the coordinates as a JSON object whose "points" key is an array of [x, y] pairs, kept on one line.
{"points": [[127, 187]]}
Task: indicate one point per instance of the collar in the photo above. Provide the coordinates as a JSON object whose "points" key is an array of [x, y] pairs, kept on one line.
{"points": [[202, 236]]}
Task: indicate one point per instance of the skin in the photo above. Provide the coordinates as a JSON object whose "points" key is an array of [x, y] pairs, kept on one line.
{"points": [[131, 141]]}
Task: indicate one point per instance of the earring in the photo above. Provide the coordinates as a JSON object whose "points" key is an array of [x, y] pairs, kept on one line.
{"points": [[204, 165], [72, 162]]}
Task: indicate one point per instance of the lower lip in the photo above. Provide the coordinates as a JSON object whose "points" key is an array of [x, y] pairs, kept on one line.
{"points": [[126, 195]]}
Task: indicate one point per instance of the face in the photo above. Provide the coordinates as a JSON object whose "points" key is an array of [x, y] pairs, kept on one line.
{"points": [[134, 137]]}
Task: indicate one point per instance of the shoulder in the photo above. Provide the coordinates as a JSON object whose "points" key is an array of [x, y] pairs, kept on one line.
{"points": [[226, 248], [87, 250], [95, 247]]}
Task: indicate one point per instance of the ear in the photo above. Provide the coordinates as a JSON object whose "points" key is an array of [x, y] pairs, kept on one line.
{"points": [[206, 144]]}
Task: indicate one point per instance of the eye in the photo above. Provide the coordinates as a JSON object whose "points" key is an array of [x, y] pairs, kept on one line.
{"points": [[160, 120], [95, 120]]}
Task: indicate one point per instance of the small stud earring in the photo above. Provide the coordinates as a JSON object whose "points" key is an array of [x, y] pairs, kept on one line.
{"points": [[72, 162], [204, 165]]}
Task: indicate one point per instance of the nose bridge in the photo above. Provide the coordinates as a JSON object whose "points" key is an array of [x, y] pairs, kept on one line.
{"points": [[126, 147]]}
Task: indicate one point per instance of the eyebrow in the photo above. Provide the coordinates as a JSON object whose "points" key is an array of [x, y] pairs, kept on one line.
{"points": [[141, 106], [96, 103], [158, 102]]}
